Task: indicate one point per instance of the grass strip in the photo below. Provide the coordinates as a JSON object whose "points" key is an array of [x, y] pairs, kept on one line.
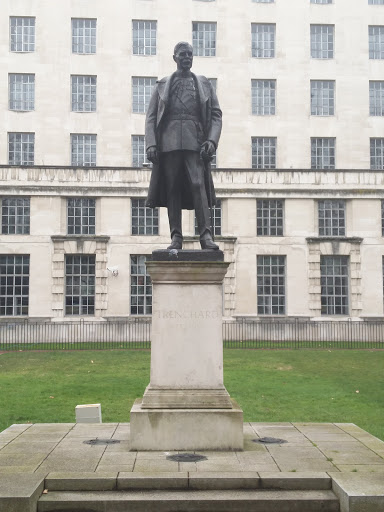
{"points": [[345, 386]]}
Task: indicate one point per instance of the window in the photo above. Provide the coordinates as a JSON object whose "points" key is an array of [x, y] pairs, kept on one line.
{"points": [[376, 98], [263, 40], [263, 97], [80, 277], [144, 37], [322, 97], [334, 285], [141, 93], [83, 150], [271, 285], [21, 92], [144, 221], [22, 31], [21, 148], [204, 39], [375, 2], [83, 35], [377, 153], [141, 287], [263, 152], [270, 217], [331, 217], [215, 220], [323, 153], [83, 93], [376, 42], [322, 41], [14, 285], [138, 150], [81, 216], [321, 1], [15, 215]]}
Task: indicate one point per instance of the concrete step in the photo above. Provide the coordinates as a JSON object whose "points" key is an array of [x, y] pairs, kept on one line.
{"points": [[257, 500], [183, 480]]}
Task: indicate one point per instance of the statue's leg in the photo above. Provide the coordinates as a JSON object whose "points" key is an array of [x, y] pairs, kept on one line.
{"points": [[195, 173], [172, 164]]}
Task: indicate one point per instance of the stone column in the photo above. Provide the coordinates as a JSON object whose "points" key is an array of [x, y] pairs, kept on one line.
{"points": [[186, 406]]}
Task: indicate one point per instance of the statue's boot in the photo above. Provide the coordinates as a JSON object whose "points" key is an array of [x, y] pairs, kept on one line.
{"points": [[206, 242], [177, 242]]}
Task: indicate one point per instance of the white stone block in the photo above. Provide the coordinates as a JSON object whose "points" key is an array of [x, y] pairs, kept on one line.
{"points": [[88, 413], [186, 429], [187, 349]]}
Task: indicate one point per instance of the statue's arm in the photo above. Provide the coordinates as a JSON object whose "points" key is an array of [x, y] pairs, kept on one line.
{"points": [[216, 119], [150, 127]]}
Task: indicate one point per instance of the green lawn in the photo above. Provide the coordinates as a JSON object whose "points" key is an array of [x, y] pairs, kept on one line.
{"points": [[279, 385]]}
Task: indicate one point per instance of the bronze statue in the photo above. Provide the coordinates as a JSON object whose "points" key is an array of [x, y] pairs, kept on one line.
{"points": [[182, 131]]}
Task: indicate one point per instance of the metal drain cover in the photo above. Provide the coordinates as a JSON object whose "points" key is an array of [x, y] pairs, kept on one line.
{"points": [[186, 457], [269, 440], [101, 441]]}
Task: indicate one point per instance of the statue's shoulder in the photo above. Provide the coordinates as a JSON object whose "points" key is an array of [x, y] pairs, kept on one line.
{"points": [[205, 84], [203, 79], [163, 80]]}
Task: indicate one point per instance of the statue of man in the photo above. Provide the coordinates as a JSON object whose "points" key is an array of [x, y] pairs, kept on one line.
{"points": [[182, 131]]}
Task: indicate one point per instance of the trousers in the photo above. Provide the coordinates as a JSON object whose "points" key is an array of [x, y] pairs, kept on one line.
{"points": [[185, 165]]}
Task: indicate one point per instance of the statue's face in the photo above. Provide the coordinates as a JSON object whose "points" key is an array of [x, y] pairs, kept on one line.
{"points": [[184, 58]]}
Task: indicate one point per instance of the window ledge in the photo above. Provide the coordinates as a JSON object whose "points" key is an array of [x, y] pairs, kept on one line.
{"points": [[98, 238], [319, 239]]}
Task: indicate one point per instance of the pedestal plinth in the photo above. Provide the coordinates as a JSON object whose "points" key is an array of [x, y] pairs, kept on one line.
{"points": [[186, 401]]}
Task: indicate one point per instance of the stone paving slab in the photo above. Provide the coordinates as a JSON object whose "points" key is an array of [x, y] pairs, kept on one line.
{"points": [[359, 492], [127, 481], [61, 481], [359, 468], [19, 493], [298, 481], [126, 468]]}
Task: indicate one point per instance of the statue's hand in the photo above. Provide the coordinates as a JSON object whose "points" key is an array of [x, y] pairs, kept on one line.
{"points": [[208, 147], [152, 154], [207, 150]]}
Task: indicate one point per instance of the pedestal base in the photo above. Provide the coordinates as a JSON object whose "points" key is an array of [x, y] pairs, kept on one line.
{"points": [[186, 399], [186, 429]]}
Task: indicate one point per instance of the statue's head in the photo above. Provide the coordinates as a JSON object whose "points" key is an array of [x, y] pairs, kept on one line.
{"points": [[183, 56]]}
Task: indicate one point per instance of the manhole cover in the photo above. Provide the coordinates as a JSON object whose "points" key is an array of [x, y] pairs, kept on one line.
{"points": [[102, 441], [269, 440], [186, 457]]}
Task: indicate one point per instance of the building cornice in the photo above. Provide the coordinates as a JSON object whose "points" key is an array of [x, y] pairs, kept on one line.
{"points": [[238, 183]]}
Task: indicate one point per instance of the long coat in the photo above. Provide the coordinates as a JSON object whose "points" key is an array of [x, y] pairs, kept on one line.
{"points": [[210, 117]]}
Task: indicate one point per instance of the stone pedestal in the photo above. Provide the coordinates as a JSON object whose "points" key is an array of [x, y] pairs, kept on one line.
{"points": [[186, 401]]}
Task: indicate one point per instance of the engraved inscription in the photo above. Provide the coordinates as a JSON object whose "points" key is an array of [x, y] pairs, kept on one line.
{"points": [[195, 315]]}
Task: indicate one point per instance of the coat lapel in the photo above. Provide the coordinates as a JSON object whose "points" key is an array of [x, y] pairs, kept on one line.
{"points": [[163, 88]]}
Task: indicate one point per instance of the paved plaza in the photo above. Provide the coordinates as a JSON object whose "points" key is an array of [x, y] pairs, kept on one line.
{"points": [[314, 455], [310, 447]]}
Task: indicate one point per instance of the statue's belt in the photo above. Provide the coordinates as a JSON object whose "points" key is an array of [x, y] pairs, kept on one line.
{"points": [[181, 116]]}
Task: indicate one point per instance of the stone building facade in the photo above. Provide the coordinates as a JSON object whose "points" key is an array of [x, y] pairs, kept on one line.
{"points": [[299, 169]]}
